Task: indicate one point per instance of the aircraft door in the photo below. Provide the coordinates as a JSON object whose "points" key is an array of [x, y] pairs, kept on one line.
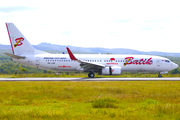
{"points": [[37, 61], [158, 62]]}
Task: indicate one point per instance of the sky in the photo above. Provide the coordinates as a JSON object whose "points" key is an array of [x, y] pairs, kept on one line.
{"points": [[144, 25]]}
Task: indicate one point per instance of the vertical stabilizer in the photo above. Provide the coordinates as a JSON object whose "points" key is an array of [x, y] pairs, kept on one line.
{"points": [[19, 44]]}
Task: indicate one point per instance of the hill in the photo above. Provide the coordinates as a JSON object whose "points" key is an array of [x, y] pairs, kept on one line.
{"points": [[53, 48]]}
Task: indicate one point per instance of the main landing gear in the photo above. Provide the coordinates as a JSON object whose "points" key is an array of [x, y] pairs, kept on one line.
{"points": [[91, 75]]}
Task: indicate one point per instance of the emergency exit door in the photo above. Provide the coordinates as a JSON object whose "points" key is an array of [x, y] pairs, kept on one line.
{"points": [[37, 61]]}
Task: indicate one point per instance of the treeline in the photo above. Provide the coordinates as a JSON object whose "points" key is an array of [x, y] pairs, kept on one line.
{"points": [[177, 61], [16, 68], [7, 66]]}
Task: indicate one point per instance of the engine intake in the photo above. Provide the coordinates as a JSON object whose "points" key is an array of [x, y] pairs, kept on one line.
{"points": [[111, 70]]}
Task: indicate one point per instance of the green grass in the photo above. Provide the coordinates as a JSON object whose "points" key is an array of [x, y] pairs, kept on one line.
{"points": [[84, 75], [104, 103], [90, 100]]}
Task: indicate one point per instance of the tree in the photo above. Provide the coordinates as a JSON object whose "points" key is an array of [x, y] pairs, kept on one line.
{"points": [[175, 71], [24, 70]]}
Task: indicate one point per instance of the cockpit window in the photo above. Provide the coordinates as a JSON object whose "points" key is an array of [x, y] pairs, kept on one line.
{"points": [[167, 61]]}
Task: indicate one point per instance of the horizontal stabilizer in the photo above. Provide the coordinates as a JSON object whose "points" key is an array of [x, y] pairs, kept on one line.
{"points": [[15, 56]]}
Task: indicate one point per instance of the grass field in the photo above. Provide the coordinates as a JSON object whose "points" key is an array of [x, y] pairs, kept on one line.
{"points": [[90, 100], [84, 75]]}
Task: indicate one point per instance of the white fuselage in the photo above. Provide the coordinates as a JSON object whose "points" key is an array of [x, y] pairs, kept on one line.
{"points": [[25, 53], [136, 63]]}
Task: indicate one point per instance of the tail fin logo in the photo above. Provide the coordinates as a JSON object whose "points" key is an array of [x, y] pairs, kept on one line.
{"points": [[18, 41]]}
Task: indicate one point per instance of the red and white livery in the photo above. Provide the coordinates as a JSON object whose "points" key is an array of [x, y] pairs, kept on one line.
{"points": [[105, 64]]}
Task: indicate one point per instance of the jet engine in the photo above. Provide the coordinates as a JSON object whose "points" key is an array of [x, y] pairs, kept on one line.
{"points": [[111, 70]]}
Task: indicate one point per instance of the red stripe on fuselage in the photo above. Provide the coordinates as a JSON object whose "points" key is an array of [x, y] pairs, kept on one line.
{"points": [[65, 66]]}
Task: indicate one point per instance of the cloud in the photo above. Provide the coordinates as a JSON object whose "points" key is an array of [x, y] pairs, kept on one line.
{"points": [[123, 21], [10, 9], [120, 24], [66, 32]]}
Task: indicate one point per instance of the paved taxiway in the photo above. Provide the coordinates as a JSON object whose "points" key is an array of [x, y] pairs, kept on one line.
{"points": [[91, 79]]}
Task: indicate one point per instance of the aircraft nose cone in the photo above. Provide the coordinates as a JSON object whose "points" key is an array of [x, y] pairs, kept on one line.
{"points": [[174, 65]]}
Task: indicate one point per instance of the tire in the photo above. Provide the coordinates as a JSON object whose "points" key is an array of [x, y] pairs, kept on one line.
{"points": [[91, 75], [159, 75]]}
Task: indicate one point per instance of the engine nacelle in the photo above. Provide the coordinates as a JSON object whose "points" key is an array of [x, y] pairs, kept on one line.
{"points": [[111, 70]]}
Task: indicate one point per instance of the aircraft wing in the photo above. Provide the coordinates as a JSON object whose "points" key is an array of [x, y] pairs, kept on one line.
{"points": [[15, 56], [86, 66]]}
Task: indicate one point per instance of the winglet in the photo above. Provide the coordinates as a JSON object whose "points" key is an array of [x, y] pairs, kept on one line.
{"points": [[71, 54]]}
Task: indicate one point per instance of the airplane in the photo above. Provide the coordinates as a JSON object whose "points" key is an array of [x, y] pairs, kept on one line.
{"points": [[103, 64]]}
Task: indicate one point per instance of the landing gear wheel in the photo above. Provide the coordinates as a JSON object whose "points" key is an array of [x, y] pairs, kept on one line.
{"points": [[159, 75], [91, 75]]}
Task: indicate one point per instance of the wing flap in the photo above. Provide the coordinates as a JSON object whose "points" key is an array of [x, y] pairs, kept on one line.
{"points": [[15, 56], [86, 66], [90, 63]]}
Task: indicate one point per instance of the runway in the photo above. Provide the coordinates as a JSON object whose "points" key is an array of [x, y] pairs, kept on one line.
{"points": [[91, 79]]}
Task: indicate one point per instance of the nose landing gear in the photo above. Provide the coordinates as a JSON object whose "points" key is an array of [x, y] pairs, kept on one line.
{"points": [[159, 75]]}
